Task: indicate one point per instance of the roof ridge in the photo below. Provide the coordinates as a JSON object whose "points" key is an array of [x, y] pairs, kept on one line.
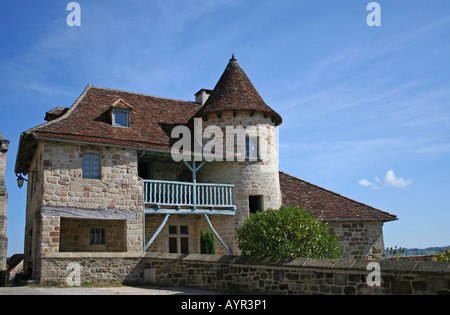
{"points": [[144, 94], [339, 195]]}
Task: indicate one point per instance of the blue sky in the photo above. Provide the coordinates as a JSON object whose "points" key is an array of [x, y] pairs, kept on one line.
{"points": [[366, 109]]}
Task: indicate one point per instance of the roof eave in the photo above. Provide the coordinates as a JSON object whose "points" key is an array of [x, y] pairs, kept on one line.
{"points": [[359, 219]]}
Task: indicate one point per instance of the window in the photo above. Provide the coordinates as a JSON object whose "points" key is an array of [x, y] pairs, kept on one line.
{"points": [[178, 239], [91, 166], [97, 236], [251, 146], [255, 204], [145, 169], [121, 117]]}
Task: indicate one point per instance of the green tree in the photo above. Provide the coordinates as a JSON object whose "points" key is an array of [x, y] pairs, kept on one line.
{"points": [[207, 243], [287, 232], [443, 256]]}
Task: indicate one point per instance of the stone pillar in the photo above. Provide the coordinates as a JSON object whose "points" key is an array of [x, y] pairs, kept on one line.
{"points": [[3, 201], [50, 234]]}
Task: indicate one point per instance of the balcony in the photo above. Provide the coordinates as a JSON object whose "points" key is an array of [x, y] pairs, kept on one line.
{"points": [[170, 197]]}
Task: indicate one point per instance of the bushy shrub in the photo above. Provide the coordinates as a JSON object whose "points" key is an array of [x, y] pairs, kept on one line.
{"points": [[207, 243], [287, 232]]}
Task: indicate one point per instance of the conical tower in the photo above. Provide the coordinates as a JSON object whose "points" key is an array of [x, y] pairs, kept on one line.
{"points": [[251, 162], [234, 92]]}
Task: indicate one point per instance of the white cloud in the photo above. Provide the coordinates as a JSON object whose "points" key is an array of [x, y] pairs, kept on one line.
{"points": [[390, 179], [365, 183]]}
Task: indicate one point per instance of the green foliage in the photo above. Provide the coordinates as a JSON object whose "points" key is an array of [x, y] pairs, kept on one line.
{"points": [[443, 256], [287, 232], [395, 252], [207, 243]]}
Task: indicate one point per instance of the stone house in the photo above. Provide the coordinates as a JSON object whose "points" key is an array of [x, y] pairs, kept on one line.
{"points": [[3, 201], [102, 175]]}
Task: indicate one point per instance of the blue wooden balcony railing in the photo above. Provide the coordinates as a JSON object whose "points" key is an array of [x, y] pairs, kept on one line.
{"points": [[172, 197]]}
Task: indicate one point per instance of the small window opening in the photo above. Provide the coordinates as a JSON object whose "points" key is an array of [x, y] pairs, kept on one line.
{"points": [[97, 236], [251, 146], [178, 241], [255, 204]]}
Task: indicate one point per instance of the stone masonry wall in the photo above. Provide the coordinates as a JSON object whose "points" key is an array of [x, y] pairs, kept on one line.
{"points": [[359, 239], [236, 274], [55, 180], [3, 202], [195, 224], [119, 187]]}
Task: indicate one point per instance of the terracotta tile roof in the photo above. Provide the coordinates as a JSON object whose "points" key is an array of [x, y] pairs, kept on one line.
{"points": [[325, 204], [55, 113], [89, 120], [235, 92]]}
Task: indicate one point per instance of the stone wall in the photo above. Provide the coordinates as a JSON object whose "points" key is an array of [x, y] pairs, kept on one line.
{"points": [[236, 274], [3, 202], [76, 236], [55, 181], [359, 239], [118, 188], [195, 224]]}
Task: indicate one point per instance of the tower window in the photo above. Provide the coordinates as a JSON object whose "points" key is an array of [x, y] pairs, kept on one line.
{"points": [[255, 204], [251, 146]]}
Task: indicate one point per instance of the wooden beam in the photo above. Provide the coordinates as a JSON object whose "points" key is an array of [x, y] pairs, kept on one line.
{"points": [[157, 232], [217, 235], [189, 211], [109, 214]]}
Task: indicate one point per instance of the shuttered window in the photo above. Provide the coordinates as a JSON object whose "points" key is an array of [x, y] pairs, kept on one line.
{"points": [[91, 166]]}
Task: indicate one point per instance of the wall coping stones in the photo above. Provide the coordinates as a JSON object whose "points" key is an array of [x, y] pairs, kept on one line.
{"points": [[336, 264]]}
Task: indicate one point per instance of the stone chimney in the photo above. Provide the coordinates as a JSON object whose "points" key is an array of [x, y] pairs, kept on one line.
{"points": [[202, 96]]}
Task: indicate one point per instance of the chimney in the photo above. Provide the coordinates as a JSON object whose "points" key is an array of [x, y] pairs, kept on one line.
{"points": [[202, 96]]}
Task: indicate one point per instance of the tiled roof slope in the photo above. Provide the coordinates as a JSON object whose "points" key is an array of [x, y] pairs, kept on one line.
{"points": [[235, 92], [325, 204], [89, 119]]}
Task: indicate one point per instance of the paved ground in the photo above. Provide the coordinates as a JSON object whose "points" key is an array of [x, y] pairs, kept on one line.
{"points": [[120, 290]]}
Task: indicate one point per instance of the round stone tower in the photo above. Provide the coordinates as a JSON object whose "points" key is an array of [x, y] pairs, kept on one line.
{"points": [[249, 159]]}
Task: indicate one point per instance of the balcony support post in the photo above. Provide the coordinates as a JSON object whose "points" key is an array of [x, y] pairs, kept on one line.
{"points": [[163, 224], [217, 235], [194, 171]]}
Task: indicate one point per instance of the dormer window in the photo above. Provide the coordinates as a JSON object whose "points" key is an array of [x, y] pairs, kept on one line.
{"points": [[121, 117], [120, 113]]}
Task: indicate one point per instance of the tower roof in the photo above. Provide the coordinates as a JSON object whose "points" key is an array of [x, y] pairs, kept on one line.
{"points": [[235, 92]]}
